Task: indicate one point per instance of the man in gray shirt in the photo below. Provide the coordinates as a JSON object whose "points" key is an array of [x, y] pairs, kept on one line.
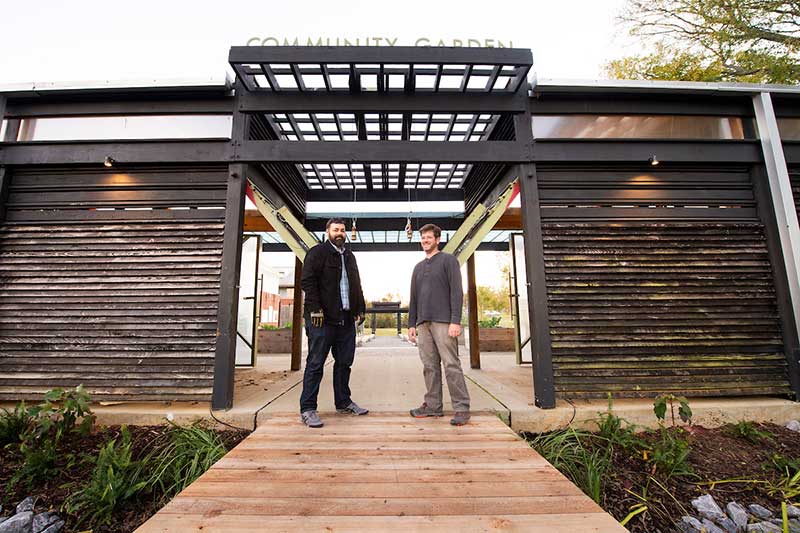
{"points": [[434, 322]]}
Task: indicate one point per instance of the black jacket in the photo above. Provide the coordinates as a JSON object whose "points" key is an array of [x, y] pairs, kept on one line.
{"points": [[322, 272]]}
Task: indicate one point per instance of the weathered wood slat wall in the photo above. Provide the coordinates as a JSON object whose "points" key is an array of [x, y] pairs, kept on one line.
{"points": [[123, 301], [657, 282]]}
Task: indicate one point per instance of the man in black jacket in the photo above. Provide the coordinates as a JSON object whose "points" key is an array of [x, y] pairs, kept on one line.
{"points": [[334, 304]]}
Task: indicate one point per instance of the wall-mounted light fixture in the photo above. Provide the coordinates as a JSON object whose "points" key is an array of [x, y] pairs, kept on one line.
{"points": [[109, 161], [654, 160]]}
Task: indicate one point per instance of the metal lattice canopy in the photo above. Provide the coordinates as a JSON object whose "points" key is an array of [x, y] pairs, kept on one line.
{"points": [[418, 101]]}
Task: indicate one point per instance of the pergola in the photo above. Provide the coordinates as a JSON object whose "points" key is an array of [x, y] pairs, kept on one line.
{"points": [[314, 124]]}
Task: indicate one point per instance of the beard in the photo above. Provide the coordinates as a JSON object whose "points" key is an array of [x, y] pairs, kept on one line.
{"points": [[338, 241]]}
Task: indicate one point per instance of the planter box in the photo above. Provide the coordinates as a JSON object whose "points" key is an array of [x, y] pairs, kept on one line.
{"points": [[274, 340], [496, 339]]}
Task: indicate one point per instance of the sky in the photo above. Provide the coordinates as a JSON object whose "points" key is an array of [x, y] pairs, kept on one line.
{"points": [[60, 41], [49, 40]]}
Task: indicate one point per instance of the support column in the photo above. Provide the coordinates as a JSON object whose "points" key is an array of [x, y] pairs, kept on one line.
{"points": [[297, 317], [472, 306], [225, 355], [541, 347], [780, 189]]}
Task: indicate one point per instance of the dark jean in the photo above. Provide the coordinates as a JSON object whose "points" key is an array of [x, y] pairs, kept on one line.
{"points": [[341, 340]]}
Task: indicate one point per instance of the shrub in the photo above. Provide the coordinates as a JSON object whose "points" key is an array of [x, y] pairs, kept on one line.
{"points": [[115, 480], [14, 424], [749, 431], [491, 322], [670, 454]]}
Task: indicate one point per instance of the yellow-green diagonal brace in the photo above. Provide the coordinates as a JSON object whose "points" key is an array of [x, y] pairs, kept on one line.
{"points": [[296, 236], [480, 228]]}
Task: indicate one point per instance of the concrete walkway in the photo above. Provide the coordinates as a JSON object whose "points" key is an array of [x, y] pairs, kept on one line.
{"points": [[387, 377]]}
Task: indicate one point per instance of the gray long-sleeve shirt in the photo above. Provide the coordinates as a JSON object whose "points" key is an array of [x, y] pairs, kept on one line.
{"points": [[436, 293]]}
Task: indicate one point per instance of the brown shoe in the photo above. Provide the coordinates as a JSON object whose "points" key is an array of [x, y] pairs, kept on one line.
{"points": [[423, 411], [460, 418]]}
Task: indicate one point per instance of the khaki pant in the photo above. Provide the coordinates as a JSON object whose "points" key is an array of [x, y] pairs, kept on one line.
{"points": [[436, 347]]}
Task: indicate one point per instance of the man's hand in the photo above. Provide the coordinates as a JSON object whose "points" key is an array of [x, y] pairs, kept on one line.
{"points": [[359, 319], [317, 319], [454, 330], [412, 335]]}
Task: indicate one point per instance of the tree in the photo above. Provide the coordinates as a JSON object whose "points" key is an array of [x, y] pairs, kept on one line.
{"points": [[754, 41]]}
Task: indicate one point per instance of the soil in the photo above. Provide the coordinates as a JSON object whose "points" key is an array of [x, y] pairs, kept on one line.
{"points": [[74, 470], [715, 454]]}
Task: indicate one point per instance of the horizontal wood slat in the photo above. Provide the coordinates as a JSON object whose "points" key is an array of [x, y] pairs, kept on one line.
{"points": [[124, 301], [638, 308]]}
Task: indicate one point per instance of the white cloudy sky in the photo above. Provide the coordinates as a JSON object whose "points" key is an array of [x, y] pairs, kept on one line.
{"points": [[48, 40], [54, 41]]}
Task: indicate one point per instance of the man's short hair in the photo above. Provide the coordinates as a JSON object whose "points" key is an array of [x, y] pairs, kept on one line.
{"points": [[437, 231], [334, 221]]}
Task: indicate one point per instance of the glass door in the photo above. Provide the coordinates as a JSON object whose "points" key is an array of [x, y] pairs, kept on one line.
{"points": [[249, 302], [519, 299]]}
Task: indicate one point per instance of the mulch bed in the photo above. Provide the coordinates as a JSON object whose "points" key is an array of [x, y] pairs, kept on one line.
{"points": [[716, 454], [74, 472]]}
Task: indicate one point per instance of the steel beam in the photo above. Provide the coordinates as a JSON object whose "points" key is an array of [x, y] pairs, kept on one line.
{"points": [[553, 104], [385, 195], [783, 204], [124, 152], [225, 354], [183, 105], [639, 151], [381, 102], [389, 247], [379, 152], [536, 285], [422, 55]]}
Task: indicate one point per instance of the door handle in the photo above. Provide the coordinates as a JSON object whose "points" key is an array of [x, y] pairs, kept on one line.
{"points": [[248, 298]]}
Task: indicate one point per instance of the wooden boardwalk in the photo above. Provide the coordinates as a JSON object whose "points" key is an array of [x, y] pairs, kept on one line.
{"points": [[382, 472]]}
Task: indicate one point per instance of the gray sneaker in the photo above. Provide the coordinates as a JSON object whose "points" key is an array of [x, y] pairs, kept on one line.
{"points": [[423, 411], [311, 419], [460, 418], [353, 409]]}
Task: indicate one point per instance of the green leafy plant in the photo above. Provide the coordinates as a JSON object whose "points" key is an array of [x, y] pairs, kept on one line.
{"points": [[749, 431], [181, 456], [63, 411], [617, 431], [491, 322], [115, 480], [13, 424], [669, 454], [684, 411], [39, 461]]}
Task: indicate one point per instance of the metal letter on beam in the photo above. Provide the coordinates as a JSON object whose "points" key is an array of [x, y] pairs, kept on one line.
{"points": [[780, 189]]}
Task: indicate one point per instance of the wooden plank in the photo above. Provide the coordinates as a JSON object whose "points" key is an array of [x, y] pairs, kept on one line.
{"points": [[553, 523], [381, 473]]}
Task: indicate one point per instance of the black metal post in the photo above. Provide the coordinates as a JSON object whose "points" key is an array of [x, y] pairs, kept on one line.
{"points": [[225, 356], [297, 317], [543, 385], [791, 343]]}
